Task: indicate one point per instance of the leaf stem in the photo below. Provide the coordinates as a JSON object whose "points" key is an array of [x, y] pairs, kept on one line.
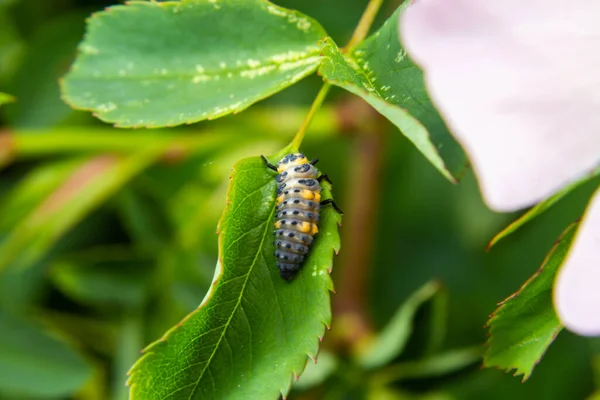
{"points": [[295, 145], [362, 29]]}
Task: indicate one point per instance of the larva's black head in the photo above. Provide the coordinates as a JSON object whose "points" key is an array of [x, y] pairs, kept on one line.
{"points": [[288, 275], [291, 159], [288, 270]]}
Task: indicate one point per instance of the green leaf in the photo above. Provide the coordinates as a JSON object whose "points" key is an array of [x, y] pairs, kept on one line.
{"points": [[12, 45], [85, 189], [525, 324], [162, 64], [34, 363], [145, 220], [432, 366], [109, 276], [390, 343], [35, 83], [253, 331], [540, 208], [379, 71]]}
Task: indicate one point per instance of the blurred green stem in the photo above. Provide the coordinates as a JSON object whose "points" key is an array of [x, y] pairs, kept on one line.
{"points": [[366, 20], [129, 346], [311, 114], [360, 32], [364, 175]]}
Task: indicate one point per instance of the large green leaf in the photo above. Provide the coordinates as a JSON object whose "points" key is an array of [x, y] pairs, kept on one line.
{"points": [[253, 331], [523, 327], [34, 363], [379, 71], [162, 64]]}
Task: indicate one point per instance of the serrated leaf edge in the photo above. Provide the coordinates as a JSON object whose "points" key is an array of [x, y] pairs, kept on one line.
{"points": [[497, 312]]}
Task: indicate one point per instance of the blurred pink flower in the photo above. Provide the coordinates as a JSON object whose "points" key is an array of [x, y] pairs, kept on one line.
{"points": [[518, 83]]}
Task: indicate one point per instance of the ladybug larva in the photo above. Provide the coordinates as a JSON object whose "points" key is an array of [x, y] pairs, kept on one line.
{"points": [[297, 211]]}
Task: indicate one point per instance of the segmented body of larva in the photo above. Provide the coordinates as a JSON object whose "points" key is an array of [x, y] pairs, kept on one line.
{"points": [[297, 212]]}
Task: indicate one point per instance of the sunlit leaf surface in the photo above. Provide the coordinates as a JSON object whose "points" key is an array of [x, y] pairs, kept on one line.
{"points": [[254, 330], [163, 64]]}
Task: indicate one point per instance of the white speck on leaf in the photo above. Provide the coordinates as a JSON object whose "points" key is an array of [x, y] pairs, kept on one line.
{"points": [[253, 63], [108, 107], [275, 11], [88, 49], [400, 56]]}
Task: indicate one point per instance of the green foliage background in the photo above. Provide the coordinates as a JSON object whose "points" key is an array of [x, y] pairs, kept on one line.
{"points": [[91, 275]]}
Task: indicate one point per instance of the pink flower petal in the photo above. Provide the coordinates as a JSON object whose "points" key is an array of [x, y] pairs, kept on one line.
{"points": [[518, 83], [577, 287]]}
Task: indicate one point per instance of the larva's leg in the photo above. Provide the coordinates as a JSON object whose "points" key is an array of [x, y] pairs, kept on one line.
{"points": [[324, 177], [268, 164], [335, 207], [313, 162]]}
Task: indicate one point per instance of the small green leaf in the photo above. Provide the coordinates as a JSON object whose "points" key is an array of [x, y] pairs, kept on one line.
{"points": [[109, 276], [379, 71], [35, 83], [390, 343], [253, 331], [6, 98], [163, 64], [145, 220], [12, 45], [34, 363], [435, 365], [525, 324], [540, 208]]}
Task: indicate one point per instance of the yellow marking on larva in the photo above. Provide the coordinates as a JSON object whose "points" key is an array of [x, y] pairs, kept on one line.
{"points": [[298, 161], [280, 199], [278, 225], [307, 194], [310, 195], [314, 230], [305, 227]]}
